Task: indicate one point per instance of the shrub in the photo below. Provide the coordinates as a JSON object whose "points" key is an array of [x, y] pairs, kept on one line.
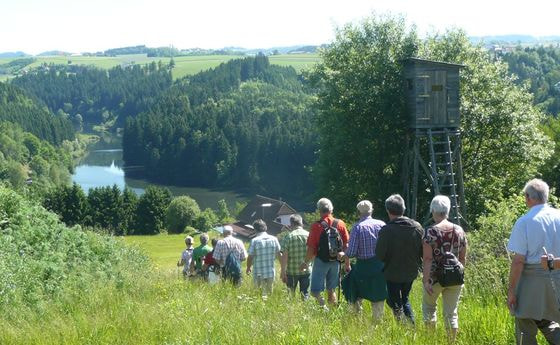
{"points": [[182, 212]]}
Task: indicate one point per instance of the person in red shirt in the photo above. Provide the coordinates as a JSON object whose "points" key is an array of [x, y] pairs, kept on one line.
{"points": [[326, 267]]}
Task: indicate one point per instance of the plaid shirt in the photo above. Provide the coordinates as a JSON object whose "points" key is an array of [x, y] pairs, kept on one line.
{"points": [[263, 250], [227, 245], [294, 245], [363, 238]]}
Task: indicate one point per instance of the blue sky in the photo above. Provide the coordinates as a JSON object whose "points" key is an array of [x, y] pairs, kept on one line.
{"points": [[76, 26]]}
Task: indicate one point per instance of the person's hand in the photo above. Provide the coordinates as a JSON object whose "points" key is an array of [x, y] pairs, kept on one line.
{"points": [[428, 287], [249, 270], [340, 256], [304, 266], [511, 301], [347, 267]]}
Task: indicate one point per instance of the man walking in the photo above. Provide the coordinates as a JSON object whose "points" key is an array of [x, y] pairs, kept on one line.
{"points": [[294, 248], [366, 278], [229, 253], [199, 253], [262, 251], [328, 239], [532, 290], [400, 247]]}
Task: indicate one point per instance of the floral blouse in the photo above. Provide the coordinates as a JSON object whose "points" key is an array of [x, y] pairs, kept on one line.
{"points": [[441, 241]]}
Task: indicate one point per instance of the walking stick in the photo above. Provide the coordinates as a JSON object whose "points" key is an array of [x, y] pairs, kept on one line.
{"points": [[552, 281], [339, 281]]}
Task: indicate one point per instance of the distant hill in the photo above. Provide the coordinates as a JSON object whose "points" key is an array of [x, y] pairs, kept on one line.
{"points": [[515, 39], [54, 53], [13, 54]]}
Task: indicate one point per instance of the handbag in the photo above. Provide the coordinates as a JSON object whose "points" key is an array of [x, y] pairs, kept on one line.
{"points": [[451, 271]]}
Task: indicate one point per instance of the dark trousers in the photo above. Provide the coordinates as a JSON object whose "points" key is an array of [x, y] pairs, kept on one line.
{"points": [[303, 280], [398, 300], [526, 331]]}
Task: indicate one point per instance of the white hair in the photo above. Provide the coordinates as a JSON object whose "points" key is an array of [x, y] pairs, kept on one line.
{"points": [[537, 190], [324, 205], [365, 207], [440, 205]]}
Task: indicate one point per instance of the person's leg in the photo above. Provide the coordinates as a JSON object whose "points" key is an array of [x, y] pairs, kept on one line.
{"points": [[394, 299], [266, 286], [332, 280], [377, 310], [550, 330], [450, 299], [318, 275], [407, 308], [291, 282], [304, 286], [525, 332], [429, 305]]}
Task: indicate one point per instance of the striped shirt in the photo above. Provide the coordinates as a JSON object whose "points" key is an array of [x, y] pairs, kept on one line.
{"points": [[363, 238], [294, 245], [263, 250]]}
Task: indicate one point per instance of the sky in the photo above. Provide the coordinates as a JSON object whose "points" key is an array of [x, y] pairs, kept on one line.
{"points": [[75, 26]]}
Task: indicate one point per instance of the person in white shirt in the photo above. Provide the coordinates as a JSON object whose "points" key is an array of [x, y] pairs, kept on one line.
{"points": [[186, 257]]}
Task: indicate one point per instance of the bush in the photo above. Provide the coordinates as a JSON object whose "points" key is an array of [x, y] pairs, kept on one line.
{"points": [[182, 212], [41, 257]]}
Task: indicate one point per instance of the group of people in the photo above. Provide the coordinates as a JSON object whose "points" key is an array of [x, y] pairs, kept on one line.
{"points": [[382, 260]]}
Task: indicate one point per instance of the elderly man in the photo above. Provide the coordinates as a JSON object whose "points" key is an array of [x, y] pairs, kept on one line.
{"points": [[199, 253], [186, 257], [262, 251], [328, 236], [531, 295], [294, 248], [367, 275], [400, 247], [229, 253]]}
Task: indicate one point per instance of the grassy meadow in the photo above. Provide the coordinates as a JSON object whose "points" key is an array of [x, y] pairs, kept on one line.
{"points": [[184, 65], [161, 308]]}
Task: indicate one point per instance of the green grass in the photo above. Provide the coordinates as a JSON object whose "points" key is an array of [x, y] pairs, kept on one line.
{"points": [[160, 308], [184, 65]]}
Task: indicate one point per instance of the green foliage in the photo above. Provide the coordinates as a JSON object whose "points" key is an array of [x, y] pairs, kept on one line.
{"points": [[70, 203], [551, 169], [222, 213], [539, 67], [151, 210], [362, 122], [17, 107], [41, 259], [183, 211], [245, 124], [206, 220]]}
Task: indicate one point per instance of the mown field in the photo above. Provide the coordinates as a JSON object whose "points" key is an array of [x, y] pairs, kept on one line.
{"points": [[184, 65]]}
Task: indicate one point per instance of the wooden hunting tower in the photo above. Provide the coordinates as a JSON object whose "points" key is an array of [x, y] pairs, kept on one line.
{"points": [[432, 90]]}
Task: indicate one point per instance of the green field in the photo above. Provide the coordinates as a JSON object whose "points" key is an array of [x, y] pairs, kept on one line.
{"points": [[184, 65]]}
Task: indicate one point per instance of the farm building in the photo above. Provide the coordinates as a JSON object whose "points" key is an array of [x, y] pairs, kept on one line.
{"points": [[275, 213]]}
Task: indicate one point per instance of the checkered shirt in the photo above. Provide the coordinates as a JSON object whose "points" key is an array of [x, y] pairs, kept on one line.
{"points": [[264, 249], [294, 245], [363, 238], [227, 245]]}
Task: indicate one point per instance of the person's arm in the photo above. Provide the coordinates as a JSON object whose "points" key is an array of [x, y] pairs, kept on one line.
{"points": [[463, 254], [249, 263], [283, 266], [427, 257], [181, 261], [514, 274], [381, 246]]}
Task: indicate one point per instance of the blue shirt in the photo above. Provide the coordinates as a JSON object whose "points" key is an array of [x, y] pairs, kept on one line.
{"points": [[538, 228], [363, 238]]}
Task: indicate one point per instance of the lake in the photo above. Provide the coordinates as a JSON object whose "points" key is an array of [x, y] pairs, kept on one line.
{"points": [[104, 166]]}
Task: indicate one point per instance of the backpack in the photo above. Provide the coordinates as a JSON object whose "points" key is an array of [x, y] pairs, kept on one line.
{"points": [[451, 272], [330, 242], [232, 268]]}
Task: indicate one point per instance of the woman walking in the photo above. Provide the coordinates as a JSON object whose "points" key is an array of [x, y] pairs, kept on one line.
{"points": [[444, 253]]}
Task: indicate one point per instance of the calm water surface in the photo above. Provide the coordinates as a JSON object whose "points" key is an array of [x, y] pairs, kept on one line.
{"points": [[103, 166]]}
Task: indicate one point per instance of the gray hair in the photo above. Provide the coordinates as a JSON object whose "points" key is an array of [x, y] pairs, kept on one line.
{"points": [[228, 230], [203, 238], [259, 225], [440, 205], [324, 205], [296, 220], [395, 205], [537, 190], [188, 240], [365, 207]]}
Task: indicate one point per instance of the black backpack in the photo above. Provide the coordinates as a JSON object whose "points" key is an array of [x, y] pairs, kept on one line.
{"points": [[451, 271], [330, 242]]}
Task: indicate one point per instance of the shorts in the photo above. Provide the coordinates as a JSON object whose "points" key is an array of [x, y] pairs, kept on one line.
{"points": [[322, 271]]}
